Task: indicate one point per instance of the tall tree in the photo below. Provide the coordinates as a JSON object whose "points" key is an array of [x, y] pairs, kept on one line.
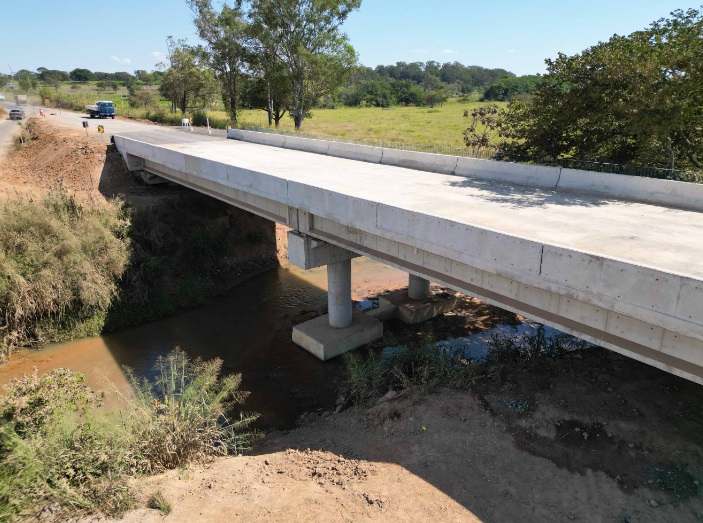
{"points": [[305, 36], [269, 89], [632, 99], [188, 81], [225, 33], [81, 75]]}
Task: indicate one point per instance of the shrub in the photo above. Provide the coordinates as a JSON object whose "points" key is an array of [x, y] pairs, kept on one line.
{"points": [[57, 447], [158, 502], [427, 366], [181, 415]]}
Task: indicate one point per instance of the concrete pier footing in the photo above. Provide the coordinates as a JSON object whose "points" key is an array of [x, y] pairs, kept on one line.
{"points": [[317, 337]]}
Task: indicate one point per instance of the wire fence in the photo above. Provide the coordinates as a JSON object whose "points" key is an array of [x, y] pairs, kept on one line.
{"points": [[679, 175], [484, 154]]}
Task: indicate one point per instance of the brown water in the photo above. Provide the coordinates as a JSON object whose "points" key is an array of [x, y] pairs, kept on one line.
{"points": [[249, 329]]}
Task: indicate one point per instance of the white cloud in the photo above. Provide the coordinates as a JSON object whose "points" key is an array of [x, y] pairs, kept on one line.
{"points": [[419, 51], [447, 51], [158, 55], [124, 61], [511, 50]]}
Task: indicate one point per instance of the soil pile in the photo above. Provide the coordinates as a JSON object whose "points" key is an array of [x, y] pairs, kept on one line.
{"points": [[67, 158]]}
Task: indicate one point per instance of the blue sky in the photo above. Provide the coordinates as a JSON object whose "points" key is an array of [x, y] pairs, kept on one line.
{"points": [[516, 35]]}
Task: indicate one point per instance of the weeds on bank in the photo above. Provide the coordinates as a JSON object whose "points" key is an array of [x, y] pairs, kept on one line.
{"points": [[57, 448], [157, 501], [60, 262], [423, 365], [181, 414], [427, 366]]}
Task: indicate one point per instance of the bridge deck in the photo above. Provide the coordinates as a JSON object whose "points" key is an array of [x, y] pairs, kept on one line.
{"points": [[667, 239]]}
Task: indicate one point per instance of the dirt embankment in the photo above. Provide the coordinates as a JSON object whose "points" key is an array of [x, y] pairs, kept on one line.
{"points": [[184, 246], [589, 436]]}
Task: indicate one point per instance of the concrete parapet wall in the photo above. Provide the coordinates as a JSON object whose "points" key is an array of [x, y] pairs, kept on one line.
{"points": [[507, 172], [668, 192], [650, 190], [438, 163]]}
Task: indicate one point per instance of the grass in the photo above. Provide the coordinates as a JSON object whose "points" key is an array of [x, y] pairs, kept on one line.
{"points": [[157, 501], [57, 447], [60, 263], [425, 366], [437, 126]]}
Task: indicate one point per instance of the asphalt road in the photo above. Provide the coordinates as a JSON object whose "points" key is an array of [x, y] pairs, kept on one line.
{"points": [[9, 131], [74, 120]]}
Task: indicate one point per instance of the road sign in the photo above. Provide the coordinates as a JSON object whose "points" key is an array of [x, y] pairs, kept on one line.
{"points": [[101, 129], [85, 124]]}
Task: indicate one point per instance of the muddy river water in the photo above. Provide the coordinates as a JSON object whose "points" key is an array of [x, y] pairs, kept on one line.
{"points": [[249, 329]]}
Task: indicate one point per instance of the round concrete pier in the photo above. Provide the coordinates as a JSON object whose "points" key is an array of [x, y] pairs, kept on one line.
{"points": [[339, 294], [418, 288]]}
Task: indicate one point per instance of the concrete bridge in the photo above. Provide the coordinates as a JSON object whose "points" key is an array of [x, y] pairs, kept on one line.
{"points": [[615, 260]]}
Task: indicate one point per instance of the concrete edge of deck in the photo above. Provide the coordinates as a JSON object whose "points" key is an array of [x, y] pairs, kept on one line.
{"points": [[650, 190]]}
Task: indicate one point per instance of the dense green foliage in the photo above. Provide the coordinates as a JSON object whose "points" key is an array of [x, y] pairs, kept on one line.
{"points": [[59, 267], [415, 83], [509, 87], [188, 81], [304, 37], [226, 34], [57, 447], [633, 99]]}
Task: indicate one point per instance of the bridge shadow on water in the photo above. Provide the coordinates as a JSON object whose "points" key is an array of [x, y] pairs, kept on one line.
{"points": [[516, 196]]}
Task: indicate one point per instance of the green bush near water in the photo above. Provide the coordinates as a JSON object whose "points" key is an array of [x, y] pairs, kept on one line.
{"points": [[60, 262], [58, 449], [426, 366]]}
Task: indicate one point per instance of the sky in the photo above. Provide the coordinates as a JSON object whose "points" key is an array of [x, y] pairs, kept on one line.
{"points": [[516, 35]]}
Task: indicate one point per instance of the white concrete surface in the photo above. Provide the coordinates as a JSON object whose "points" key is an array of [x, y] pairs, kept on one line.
{"points": [[307, 252], [666, 192], [325, 342], [626, 275]]}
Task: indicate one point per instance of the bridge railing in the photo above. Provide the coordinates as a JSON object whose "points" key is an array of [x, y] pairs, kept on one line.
{"points": [[680, 175]]}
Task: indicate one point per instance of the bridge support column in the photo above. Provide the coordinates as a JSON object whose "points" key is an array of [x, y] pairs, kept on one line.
{"points": [[339, 294], [341, 329], [418, 288]]}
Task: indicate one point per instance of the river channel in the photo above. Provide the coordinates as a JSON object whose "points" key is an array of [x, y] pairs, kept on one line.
{"points": [[249, 329]]}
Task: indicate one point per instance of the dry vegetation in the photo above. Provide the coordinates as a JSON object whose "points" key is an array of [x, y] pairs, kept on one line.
{"points": [[60, 262], [62, 456]]}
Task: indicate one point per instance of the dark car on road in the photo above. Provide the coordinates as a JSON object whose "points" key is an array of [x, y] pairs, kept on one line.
{"points": [[16, 114]]}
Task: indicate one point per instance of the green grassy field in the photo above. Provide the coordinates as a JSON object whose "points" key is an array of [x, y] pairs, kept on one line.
{"points": [[438, 126], [441, 126]]}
